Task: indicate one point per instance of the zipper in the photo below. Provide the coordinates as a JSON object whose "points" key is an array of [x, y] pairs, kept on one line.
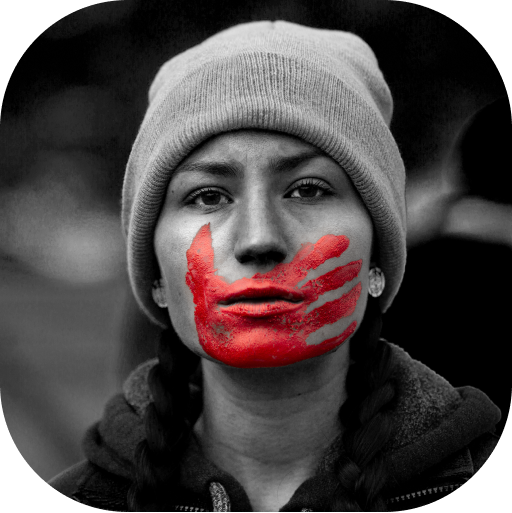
{"points": [[424, 493], [221, 500], [188, 508], [219, 496]]}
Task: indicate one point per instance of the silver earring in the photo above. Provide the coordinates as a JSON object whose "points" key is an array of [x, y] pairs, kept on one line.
{"points": [[377, 282], [159, 294]]}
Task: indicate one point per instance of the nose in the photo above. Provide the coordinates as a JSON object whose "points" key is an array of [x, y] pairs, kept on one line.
{"points": [[260, 237]]}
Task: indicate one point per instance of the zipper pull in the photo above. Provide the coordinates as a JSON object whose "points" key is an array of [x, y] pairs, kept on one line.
{"points": [[220, 498]]}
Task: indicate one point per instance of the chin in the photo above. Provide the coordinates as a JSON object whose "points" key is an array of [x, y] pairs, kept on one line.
{"points": [[263, 348]]}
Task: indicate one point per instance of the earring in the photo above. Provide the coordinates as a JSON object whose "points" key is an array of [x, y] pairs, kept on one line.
{"points": [[377, 282], [159, 294]]}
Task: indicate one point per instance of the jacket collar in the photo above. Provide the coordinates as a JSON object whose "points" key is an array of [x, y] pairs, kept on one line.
{"points": [[434, 423]]}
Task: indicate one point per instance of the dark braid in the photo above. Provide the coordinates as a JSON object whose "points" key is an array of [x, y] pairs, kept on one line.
{"points": [[361, 468], [168, 423]]}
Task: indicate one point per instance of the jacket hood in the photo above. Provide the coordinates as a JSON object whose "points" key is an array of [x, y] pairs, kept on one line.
{"points": [[433, 421]]}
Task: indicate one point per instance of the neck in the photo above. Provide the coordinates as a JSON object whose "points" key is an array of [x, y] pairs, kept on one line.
{"points": [[270, 427]]}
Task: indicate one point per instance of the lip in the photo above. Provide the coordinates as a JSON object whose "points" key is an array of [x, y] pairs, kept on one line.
{"points": [[266, 308], [261, 300]]}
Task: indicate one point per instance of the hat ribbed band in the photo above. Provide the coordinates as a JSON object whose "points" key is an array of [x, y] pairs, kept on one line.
{"points": [[263, 90]]}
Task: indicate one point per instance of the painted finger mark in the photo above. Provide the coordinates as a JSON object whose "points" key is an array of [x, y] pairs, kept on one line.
{"points": [[331, 280]]}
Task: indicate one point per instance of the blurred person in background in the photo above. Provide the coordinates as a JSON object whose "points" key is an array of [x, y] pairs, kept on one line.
{"points": [[264, 208], [460, 233]]}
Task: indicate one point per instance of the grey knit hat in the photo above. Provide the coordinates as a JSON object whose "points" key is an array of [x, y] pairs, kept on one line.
{"points": [[322, 86]]}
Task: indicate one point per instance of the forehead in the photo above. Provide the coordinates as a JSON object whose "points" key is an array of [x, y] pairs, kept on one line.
{"points": [[243, 144]]}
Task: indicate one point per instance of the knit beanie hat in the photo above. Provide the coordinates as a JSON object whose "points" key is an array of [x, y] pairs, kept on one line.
{"points": [[322, 86]]}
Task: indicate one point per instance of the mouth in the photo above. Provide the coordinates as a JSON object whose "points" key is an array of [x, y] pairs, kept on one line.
{"points": [[262, 300]]}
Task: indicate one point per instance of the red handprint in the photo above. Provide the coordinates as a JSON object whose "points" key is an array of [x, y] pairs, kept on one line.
{"points": [[263, 321]]}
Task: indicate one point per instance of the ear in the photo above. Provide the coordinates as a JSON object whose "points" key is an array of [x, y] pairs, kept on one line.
{"points": [[158, 292]]}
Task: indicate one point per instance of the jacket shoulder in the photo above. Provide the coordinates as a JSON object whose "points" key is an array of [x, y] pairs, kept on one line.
{"points": [[89, 484], [67, 482]]}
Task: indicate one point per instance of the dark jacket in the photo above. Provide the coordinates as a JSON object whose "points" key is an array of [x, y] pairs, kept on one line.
{"points": [[442, 436]]}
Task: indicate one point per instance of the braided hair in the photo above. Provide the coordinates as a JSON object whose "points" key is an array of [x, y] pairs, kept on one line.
{"points": [[168, 420], [360, 467]]}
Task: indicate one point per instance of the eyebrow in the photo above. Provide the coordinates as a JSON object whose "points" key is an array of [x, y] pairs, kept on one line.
{"points": [[283, 164], [232, 169], [222, 169]]}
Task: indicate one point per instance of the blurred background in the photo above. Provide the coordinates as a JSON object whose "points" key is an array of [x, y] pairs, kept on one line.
{"points": [[69, 329]]}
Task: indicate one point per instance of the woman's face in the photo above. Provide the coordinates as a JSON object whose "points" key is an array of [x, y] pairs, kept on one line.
{"points": [[264, 248]]}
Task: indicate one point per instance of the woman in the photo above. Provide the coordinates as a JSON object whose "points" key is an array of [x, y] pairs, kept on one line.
{"points": [[265, 218]]}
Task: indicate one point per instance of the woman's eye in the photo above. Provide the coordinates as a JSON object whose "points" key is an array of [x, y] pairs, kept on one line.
{"points": [[208, 198], [306, 191], [310, 190]]}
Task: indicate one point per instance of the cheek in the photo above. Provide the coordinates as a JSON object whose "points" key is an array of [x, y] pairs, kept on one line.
{"points": [[170, 250], [331, 330]]}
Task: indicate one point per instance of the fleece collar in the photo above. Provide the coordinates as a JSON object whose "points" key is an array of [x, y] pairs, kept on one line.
{"points": [[433, 422]]}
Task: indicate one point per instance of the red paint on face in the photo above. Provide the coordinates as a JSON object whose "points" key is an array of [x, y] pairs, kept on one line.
{"points": [[262, 321]]}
